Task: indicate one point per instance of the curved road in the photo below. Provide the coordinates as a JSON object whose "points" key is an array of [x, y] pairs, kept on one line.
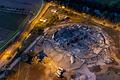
{"points": [[11, 51]]}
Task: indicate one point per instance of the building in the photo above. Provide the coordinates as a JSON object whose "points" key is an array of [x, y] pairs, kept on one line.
{"points": [[75, 49]]}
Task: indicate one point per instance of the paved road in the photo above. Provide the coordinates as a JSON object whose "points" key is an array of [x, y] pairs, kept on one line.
{"points": [[10, 52]]}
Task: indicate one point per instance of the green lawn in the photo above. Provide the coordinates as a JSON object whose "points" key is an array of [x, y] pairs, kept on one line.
{"points": [[9, 26], [109, 3]]}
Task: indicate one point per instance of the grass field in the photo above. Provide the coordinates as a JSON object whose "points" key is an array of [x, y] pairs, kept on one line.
{"points": [[9, 26], [109, 3]]}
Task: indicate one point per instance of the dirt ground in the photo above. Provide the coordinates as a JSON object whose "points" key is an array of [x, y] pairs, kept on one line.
{"points": [[24, 71]]}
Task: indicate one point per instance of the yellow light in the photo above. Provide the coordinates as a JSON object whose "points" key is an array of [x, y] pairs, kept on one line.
{"points": [[49, 64], [63, 7]]}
